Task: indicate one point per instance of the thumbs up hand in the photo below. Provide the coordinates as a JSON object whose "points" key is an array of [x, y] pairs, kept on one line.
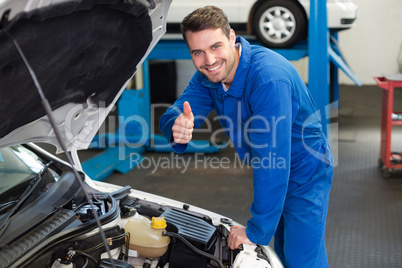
{"points": [[184, 125]]}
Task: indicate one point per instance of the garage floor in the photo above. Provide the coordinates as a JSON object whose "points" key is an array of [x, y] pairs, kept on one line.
{"points": [[364, 225]]}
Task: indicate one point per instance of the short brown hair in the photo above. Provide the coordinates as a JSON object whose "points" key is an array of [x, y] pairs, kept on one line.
{"points": [[209, 17]]}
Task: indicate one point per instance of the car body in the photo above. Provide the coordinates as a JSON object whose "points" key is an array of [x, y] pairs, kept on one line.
{"points": [[64, 65], [276, 23]]}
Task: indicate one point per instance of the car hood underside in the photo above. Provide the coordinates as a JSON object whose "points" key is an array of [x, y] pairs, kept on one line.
{"points": [[82, 52]]}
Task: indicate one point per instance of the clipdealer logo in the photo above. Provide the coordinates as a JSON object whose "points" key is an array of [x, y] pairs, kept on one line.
{"points": [[201, 161]]}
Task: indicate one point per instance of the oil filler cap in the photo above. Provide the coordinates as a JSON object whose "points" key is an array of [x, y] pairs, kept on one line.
{"points": [[158, 223]]}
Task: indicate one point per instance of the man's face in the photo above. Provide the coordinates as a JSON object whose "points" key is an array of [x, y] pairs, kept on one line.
{"points": [[213, 54]]}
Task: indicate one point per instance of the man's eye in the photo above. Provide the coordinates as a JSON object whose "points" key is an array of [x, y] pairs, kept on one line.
{"points": [[215, 46], [197, 52]]}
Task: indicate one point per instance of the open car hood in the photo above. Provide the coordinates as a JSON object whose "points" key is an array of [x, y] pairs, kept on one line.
{"points": [[83, 53]]}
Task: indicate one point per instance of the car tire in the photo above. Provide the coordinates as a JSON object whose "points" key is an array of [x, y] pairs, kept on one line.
{"points": [[279, 23]]}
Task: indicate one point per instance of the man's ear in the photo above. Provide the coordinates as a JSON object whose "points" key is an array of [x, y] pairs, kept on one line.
{"points": [[232, 37]]}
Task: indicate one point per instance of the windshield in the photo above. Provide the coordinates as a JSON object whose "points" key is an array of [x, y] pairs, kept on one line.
{"points": [[18, 165]]}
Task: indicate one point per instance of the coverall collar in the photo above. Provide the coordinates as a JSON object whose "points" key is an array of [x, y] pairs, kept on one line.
{"points": [[239, 81]]}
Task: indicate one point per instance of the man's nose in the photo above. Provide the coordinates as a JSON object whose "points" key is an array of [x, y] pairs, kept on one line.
{"points": [[209, 58]]}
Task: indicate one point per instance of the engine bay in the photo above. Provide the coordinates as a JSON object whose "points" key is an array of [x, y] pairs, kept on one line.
{"points": [[47, 222], [139, 233]]}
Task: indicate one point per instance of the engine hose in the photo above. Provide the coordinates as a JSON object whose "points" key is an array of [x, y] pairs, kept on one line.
{"points": [[86, 263], [147, 210], [86, 256], [196, 250]]}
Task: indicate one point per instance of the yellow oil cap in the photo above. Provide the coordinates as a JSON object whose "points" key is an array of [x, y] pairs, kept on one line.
{"points": [[158, 223]]}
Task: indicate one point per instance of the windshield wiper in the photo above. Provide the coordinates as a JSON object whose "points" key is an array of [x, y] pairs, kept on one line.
{"points": [[27, 192], [6, 205]]}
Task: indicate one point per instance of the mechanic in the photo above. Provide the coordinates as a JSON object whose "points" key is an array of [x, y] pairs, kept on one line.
{"points": [[266, 110]]}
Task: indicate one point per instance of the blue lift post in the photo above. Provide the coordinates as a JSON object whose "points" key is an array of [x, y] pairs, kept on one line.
{"points": [[134, 136], [318, 43], [333, 71], [322, 50]]}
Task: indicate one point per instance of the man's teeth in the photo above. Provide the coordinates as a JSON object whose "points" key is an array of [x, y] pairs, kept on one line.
{"points": [[215, 68]]}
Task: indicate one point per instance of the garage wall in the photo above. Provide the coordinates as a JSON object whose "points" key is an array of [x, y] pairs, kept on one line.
{"points": [[372, 48]]}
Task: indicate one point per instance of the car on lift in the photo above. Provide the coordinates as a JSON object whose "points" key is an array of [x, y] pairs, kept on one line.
{"points": [[63, 66], [275, 23]]}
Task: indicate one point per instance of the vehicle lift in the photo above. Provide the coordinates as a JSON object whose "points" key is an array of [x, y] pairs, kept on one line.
{"points": [[135, 107]]}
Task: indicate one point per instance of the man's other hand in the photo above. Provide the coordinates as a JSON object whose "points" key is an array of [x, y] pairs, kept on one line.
{"points": [[237, 237]]}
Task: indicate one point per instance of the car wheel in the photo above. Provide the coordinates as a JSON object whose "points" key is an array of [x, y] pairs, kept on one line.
{"points": [[279, 23]]}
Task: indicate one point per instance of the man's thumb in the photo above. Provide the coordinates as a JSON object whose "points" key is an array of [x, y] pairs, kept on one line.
{"points": [[187, 110]]}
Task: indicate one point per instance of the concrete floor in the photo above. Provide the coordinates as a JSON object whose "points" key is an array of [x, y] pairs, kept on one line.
{"points": [[364, 224]]}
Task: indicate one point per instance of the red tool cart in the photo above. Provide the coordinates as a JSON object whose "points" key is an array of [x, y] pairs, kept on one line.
{"points": [[388, 161]]}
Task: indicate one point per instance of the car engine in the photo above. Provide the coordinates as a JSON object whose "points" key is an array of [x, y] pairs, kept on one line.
{"points": [[193, 238], [139, 234]]}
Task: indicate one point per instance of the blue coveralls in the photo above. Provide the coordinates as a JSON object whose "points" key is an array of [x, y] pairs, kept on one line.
{"points": [[269, 115]]}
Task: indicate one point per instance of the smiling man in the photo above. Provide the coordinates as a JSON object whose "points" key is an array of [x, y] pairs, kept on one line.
{"points": [[267, 111], [216, 61]]}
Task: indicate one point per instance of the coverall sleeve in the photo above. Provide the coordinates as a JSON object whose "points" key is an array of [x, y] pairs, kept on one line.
{"points": [[269, 134], [201, 105]]}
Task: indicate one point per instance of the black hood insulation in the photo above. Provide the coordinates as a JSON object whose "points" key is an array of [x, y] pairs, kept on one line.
{"points": [[78, 50]]}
